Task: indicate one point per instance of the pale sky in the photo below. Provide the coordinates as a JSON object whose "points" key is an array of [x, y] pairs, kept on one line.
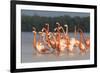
{"points": [[53, 13]]}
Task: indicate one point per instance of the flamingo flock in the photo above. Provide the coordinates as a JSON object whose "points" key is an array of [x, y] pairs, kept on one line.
{"points": [[59, 41]]}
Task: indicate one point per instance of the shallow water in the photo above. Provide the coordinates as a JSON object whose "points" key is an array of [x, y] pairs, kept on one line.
{"points": [[28, 53]]}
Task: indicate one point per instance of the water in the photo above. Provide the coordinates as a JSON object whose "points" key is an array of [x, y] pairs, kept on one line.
{"points": [[28, 53]]}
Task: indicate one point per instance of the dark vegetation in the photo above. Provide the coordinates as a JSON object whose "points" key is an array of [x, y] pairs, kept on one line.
{"points": [[27, 22]]}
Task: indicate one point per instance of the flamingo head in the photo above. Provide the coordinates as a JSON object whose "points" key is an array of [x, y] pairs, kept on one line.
{"points": [[34, 29], [66, 25]]}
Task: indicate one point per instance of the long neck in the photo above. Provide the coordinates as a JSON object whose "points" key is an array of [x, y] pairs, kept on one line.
{"points": [[81, 35], [75, 33], [40, 36], [34, 39], [66, 30]]}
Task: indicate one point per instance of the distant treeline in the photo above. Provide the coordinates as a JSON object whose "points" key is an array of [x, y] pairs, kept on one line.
{"points": [[27, 22]]}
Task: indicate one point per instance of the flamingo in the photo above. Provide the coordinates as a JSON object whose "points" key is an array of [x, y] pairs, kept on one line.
{"points": [[46, 30], [58, 44], [74, 42], [49, 40], [79, 43], [52, 40], [39, 45], [60, 41], [86, 40], [70, 41], [64, 42]]}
